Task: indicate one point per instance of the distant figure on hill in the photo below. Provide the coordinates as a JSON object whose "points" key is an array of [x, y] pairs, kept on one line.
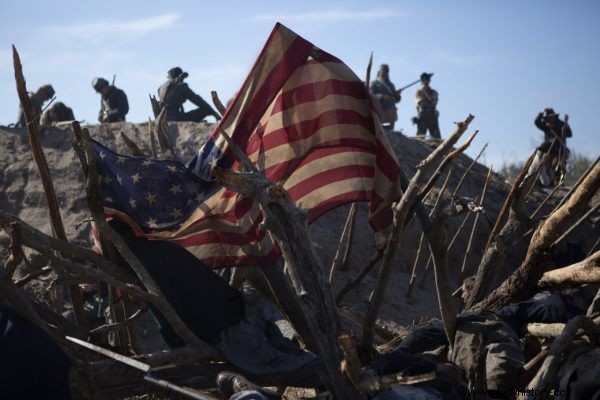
{"points": [[59, 112], [556, 133], [427, 99], [384, 91], [38, 98], [174, 92], [114, 105]]}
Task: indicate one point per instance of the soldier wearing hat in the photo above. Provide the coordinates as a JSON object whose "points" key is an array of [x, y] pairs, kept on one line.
{"points": [[114, 105], [174, 92], [38, 98], [384, 91], [427, 99], [556, 132]]}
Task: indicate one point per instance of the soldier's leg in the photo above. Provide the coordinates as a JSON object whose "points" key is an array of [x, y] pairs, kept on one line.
{"points": [[435, 126], [196, 115], [421, 124]]}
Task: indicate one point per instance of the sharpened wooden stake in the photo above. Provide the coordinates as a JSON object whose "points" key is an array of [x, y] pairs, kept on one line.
{"points": [[42, 164], [133, 148], [217, 102]]}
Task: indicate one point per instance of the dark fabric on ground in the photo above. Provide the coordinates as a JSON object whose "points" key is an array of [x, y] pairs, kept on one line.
{"points": [[543, 307], [579, 377], [401, 361], [203, 300], [32, 364]]}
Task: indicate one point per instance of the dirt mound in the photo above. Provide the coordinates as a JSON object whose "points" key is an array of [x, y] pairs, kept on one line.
{"points": [[21, 194]]}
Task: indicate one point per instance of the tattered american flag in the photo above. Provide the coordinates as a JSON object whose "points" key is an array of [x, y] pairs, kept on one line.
{"points": [[304, 119]]}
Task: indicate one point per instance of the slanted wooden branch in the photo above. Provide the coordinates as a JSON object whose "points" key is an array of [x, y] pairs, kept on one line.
{"points": [[586, 271], [522, 283], [288, 225], [42, 164], [402, 211], [499, 245]]}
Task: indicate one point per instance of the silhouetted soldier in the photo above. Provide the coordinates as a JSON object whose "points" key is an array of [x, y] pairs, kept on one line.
{"points": [[386, 95], [59, 112], [114, 105], [427, 99], [174, 92], [38, 98], [556, 133]]}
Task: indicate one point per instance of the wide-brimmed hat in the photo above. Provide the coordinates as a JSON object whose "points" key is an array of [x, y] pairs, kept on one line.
{"points": [[174, 73], [549, 112], [48, 90], [99, 83]]}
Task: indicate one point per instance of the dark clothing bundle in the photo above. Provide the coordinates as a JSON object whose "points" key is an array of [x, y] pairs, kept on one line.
{"points": [[32, 365], [59, 112], [203, 300], [114, 106], [557, 129], [543, 307], [217, 314], [579, 377], [37, 111], [173, 95], [442, 387]]}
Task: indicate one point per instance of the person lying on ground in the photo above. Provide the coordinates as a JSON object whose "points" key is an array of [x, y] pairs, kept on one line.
{"points": [[217, 313]]}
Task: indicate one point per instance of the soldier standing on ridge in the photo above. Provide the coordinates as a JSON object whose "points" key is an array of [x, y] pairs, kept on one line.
{"points": [[555, 131], [427, 99], [386, 95], [38, 98], [114, 105], [174, 93]]}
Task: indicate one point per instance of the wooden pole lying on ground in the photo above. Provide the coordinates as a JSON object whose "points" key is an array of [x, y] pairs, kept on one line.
{"points": [[42, 164], [402, 211]]}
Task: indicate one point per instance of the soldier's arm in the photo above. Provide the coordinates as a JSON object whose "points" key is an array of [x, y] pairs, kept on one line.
{"points": [[538, 122]]}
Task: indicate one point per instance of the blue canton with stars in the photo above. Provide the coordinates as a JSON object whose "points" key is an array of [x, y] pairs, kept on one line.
{"points": [[156, 194]]}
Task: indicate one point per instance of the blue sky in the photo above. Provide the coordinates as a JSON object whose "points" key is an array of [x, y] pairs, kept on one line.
{"points": [[501, 61]]}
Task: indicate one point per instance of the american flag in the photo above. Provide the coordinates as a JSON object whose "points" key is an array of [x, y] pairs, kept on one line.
{"points": [[304, 119]]}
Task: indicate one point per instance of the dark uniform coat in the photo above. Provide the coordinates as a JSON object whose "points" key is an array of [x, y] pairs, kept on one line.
{"points": [[114, 106], [173, 95]]}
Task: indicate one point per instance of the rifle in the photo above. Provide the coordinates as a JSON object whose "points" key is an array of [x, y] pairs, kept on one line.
{"points": [[410, 84], [113, 80]]}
